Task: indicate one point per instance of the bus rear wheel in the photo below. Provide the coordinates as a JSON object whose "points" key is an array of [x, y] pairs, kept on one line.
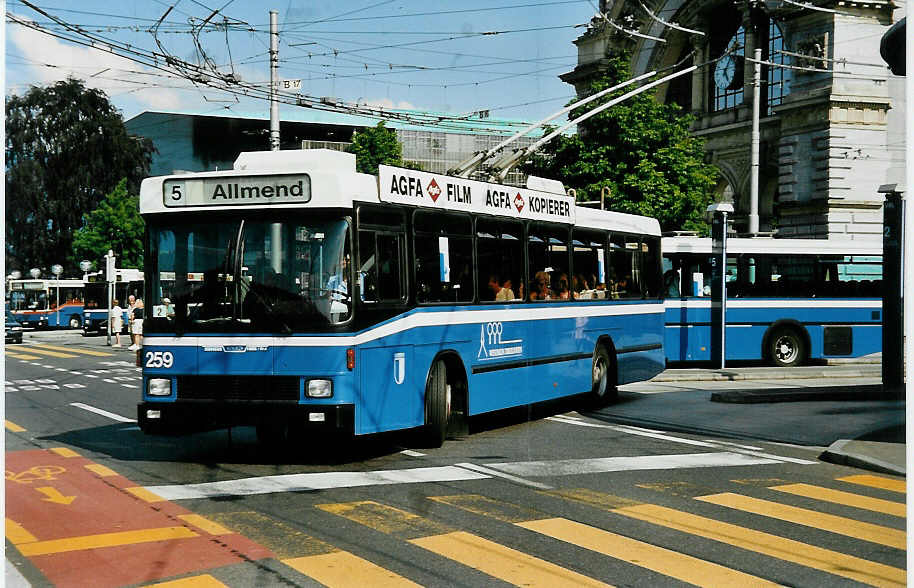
{"points": [[603, 387], [786, 347], [437, 406], [75, 323]]}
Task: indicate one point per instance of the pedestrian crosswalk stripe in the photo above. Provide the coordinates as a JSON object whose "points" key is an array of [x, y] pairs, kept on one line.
{"points": [[386, 519], [658, 559], [69, 349], [846, 498], [21, 356], [201, 581], [13, 427], [34, 349], [341, 568], [284, 540], [502, 562], [876, 482], [839, 564], [810, 518]]}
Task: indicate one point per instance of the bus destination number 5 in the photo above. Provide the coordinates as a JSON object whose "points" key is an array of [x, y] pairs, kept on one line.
{"points": [[159, 359], [174, 193]]}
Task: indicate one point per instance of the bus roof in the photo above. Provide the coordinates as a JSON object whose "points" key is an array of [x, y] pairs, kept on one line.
{"points": [[322, 178], [776, 246]]}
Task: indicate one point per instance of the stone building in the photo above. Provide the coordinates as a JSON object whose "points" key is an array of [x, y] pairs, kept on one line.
{"points": [[831, 113]]}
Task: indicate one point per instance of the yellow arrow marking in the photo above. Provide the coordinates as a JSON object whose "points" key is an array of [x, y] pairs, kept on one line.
{"points": [[54, 495]]}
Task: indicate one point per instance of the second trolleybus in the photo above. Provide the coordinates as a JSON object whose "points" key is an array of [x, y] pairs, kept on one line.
{"points": [[302, 293], [788, 300], [46, 303]]}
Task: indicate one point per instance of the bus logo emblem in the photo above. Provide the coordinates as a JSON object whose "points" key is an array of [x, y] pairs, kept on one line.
{"points": [[399, 367], [492, 346]]}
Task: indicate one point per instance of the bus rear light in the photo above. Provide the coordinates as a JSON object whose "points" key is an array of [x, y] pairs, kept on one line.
{"points": [[350, 359], [159, 387]]}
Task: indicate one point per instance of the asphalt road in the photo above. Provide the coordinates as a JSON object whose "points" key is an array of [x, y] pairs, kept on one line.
{"points": [[663, 488]]}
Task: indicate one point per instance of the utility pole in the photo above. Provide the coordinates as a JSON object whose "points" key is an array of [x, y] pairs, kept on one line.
{"points": [[274, 80], [756, 140]]}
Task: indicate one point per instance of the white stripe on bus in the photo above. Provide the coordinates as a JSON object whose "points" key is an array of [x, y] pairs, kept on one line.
{"points": [[777, 303], [413, 321]]}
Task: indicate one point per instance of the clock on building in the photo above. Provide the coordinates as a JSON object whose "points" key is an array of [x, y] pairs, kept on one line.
{"points": [[728, 73]]}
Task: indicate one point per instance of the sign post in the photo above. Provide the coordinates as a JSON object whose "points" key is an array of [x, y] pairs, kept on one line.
{"points": [[110, 277], [893, 237], [719, 214], [57, 269]]}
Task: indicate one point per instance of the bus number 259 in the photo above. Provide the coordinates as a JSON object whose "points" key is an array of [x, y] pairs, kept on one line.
{"points": [[159, 359]]}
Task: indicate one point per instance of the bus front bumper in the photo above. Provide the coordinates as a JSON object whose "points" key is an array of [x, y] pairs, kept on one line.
{"points": [[186, 417]]}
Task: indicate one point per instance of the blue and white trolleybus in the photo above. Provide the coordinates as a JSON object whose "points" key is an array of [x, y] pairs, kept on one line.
{"points": [[301, 293], [788, 300]]}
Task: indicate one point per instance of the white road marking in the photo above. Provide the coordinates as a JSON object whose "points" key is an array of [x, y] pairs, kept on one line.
{"points": [[497, 474], [412, 453], [105, 413], [570, 467], [316, 481], [90, 376]]}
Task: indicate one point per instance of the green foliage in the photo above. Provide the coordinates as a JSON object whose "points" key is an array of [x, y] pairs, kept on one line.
{"points": [[378, 145], [66, 147], [117, 225], [641, 150]]}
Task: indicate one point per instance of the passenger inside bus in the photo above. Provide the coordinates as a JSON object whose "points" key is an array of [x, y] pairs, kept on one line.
{"points": [[562, 292], [539, 288]]}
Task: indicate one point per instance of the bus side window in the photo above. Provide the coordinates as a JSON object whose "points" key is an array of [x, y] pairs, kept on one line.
{"points": [[367, 268], [390, 268]]}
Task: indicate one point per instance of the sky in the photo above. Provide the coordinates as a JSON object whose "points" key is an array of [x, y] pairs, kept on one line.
{"points": [[435, 55]]}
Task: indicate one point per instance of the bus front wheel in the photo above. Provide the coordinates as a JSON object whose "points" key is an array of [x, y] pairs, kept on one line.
{"points": [[603, 388], [437, 406], [75, 323], [786, 347]]}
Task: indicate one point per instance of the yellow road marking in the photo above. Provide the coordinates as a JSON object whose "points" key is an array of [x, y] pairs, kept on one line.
{"points": [[144, 494], [72, 350], [876, 482], [496, 509], [285, 541], [592, 498], [17, 534], [100, 470], [204, 581], [664, 561], [839, 564], [846, 498], [386, 519], [104, 540], [205, 524], [342, 568], [22, 356], [64, 452], [502, 562], [810, 518], [13, 427], [33, 349]]}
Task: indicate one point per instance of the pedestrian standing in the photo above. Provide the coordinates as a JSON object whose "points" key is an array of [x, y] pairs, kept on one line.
{"points": [[137, 331], [116, 319]]}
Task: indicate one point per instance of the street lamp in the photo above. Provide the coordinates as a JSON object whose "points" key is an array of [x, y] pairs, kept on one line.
{"points": [[57, 269], [35, 272]]}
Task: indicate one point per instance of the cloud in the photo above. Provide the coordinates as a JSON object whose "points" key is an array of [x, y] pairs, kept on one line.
{"points": [[388, 103], [35, 58]]}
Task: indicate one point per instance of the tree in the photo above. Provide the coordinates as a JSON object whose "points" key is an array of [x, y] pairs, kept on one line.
{"points": [[117, 225], [374, 146], [66, 147], [641, 150]]}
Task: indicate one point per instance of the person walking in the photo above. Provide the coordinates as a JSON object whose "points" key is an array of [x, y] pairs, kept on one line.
{"points": [[116, 319]]}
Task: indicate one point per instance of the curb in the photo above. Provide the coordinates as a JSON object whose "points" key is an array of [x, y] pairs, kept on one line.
{"points": [[837, 454], [821, 393], [699, 375]]}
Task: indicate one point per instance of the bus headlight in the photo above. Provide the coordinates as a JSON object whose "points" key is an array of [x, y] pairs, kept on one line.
{"points": [[159, 387], [319, 389]]}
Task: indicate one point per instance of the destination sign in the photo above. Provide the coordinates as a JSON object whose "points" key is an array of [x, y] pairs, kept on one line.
{"points": [[236, 190], [406, 186]]}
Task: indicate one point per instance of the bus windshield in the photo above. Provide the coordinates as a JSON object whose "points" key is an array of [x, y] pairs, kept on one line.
{"points": [[268, 275]]}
